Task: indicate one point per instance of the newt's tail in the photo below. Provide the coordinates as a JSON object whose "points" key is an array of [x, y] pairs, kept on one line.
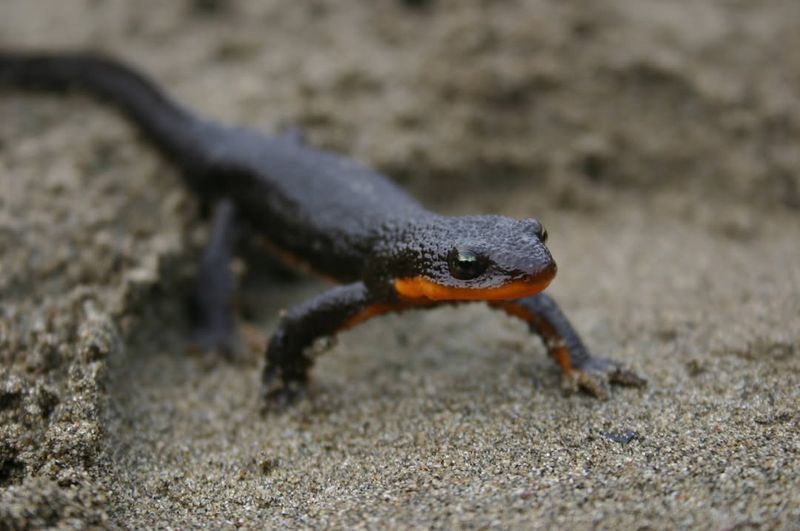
{"points": [[172, 128]]}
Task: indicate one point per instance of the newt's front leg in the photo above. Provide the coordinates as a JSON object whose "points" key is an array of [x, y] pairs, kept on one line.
{"points": [[579, 368], [288, 359]]}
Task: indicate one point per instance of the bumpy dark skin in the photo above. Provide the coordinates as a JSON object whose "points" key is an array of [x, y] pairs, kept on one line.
{"points": [[337, 217]]}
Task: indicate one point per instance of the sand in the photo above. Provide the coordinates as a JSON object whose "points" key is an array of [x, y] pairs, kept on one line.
{"points": [[657, 140]]}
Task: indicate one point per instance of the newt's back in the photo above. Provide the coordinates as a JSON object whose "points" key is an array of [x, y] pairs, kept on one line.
{"points": [[324, 208], [320, 206]]}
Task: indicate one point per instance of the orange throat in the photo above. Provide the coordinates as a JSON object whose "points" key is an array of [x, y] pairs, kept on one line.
{"points": [[422, 289]]}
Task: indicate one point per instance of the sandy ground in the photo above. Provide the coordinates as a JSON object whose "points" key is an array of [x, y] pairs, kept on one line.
{"points": [[656, 139]]}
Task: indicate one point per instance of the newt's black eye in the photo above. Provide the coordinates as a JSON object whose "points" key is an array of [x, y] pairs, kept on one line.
{"points": [[535, 226], [465, 264]]}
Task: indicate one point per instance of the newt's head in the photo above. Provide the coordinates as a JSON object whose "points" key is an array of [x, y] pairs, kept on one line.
{"points": [[475, 258]]}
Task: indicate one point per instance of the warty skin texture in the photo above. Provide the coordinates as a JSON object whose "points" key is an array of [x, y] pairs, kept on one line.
{"points": [[334, 215]]}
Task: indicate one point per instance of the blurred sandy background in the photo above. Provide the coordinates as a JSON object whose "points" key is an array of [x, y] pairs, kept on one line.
{"points": [[657, 140]]}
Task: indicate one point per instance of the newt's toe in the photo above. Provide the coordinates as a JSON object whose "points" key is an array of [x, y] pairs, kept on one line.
{"points": [[596, 375], [222, 342], [279, 400], [277, 393]]}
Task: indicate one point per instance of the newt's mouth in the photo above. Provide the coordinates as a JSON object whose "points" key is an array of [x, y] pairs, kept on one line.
{"points": [[422, 289]]}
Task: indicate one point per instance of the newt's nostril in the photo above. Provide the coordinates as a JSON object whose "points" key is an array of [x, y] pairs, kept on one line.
{"points": [[547, 271]]}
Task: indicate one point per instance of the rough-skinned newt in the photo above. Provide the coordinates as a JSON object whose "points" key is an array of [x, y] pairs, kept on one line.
{"points": [[337, 217]]}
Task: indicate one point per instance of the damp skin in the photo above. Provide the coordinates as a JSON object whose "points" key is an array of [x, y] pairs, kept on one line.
{"points": [[334, 216]]}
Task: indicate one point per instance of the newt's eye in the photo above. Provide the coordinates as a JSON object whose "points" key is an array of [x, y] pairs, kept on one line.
{"points": [[465, 264], [539, 230], [536, 227]]}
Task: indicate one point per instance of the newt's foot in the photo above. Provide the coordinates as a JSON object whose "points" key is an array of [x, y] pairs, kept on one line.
{"points": [[278, 393], [596, 375], [222, 342]]}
